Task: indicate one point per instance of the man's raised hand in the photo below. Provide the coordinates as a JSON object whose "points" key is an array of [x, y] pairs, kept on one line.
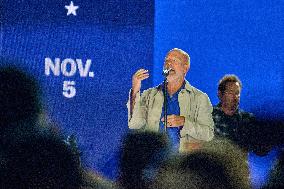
{"points": [[139, 76]]}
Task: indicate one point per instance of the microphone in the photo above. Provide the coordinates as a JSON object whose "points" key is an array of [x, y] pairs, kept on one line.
{"points": [[166, 72]]}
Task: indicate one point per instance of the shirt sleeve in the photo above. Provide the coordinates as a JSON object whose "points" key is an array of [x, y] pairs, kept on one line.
{"points": [[137, 119]]}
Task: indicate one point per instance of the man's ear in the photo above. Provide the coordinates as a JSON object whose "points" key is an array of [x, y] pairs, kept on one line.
{"points": [[186, 68]]}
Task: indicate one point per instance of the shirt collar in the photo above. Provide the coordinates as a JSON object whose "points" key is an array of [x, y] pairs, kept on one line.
{"points": [[218, 107], [185, 86]]}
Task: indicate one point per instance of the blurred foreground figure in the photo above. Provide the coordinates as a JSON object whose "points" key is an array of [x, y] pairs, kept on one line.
{"points": [[276, 179], [141, 155], [32, 154], [218, 165], [19, 98], [39, 161]]}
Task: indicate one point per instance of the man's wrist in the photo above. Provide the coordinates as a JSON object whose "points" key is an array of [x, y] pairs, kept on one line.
{"points": [[133, 93]]}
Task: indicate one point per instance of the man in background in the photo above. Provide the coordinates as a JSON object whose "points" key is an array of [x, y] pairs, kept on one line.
{"points": [[230, 121]]}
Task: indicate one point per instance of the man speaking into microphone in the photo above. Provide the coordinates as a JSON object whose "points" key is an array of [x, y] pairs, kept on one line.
{"points": [[188, 119]]}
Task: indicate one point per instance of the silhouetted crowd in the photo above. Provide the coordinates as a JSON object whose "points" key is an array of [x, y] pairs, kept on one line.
{"points": [[35, 154]]}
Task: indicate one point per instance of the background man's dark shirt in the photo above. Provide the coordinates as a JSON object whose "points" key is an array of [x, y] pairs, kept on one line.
{"points": [[232, 127]]}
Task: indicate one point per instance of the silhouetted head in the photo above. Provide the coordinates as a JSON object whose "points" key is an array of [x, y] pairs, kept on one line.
{"points": [[217, 165], [19, 96], [39, 161], [197, 170], [142, 153]]}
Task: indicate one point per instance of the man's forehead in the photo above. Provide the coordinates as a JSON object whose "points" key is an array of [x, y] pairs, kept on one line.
{"points": [[173, 58], [232, 84], [174, 55]]}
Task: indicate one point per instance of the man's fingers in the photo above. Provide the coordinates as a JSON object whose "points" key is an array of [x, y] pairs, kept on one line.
{"points": [[141, 74], [141, 71], [141, 77], [174, 120], [144, 78], [173, 125], [171, 116]]}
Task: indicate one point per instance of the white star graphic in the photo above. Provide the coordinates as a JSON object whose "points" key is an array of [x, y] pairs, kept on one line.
{"points": [[71, 9]]}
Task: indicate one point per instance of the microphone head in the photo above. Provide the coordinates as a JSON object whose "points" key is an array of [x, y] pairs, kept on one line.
{"points": [[166, 72]]}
